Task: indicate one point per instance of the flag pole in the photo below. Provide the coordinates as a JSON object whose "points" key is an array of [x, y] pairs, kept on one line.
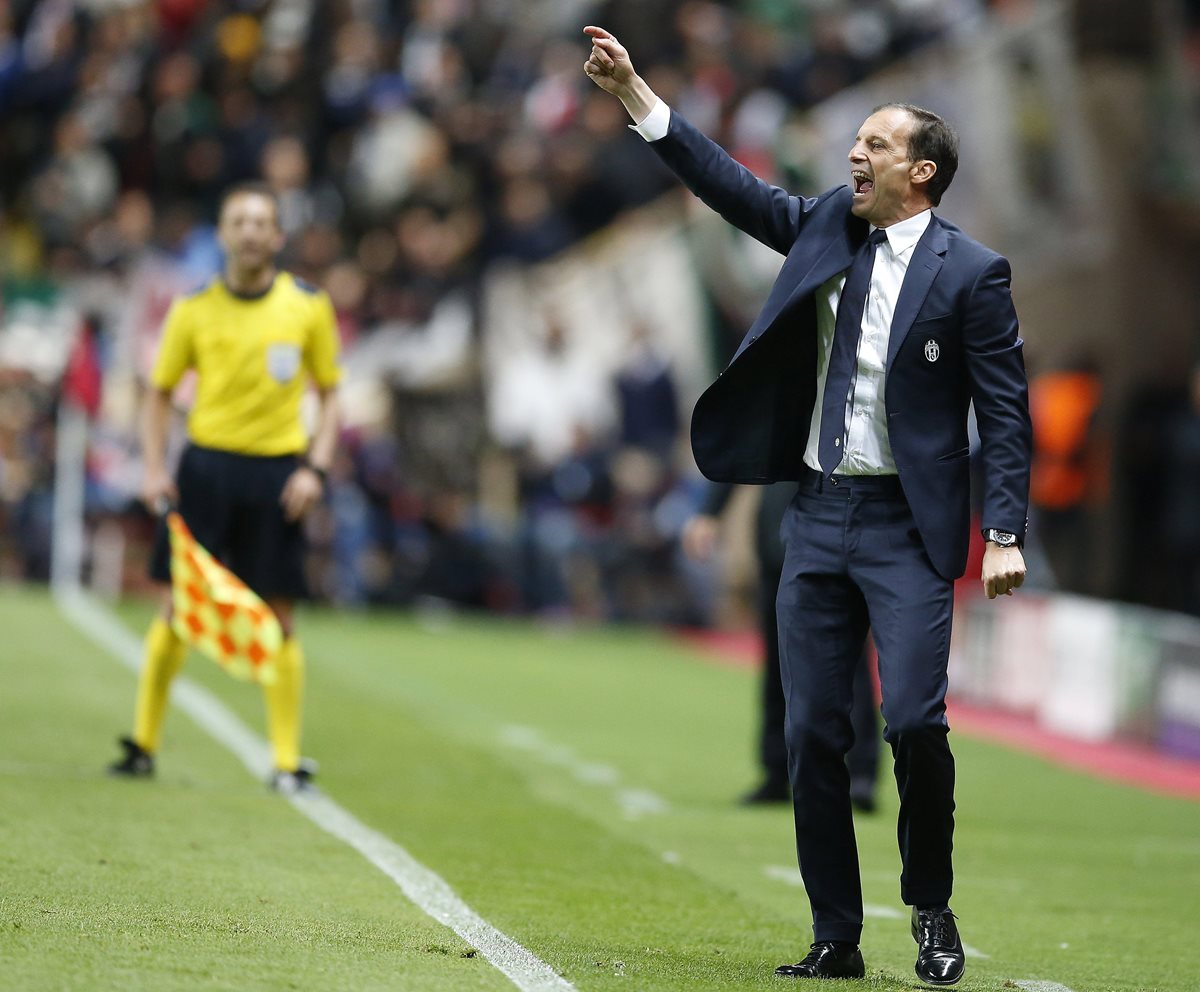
{"points": [[67, 536]]}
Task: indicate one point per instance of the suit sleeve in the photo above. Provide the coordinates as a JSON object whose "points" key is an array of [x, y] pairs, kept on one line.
{"points": [[1000, 392], [765, 212]]}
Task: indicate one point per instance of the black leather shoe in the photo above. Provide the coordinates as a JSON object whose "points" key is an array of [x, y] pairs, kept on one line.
{"points": [[134, 762], [940, 959], [771, 791], [827, 959]]}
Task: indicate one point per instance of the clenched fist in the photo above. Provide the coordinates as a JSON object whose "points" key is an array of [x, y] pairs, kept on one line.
{"points": [[1003, 570]]}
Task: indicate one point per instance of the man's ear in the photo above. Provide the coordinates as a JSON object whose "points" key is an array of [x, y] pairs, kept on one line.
{"points": [[921, 172]]}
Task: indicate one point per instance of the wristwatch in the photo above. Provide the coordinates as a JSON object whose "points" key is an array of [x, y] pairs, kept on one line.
{"points": [[319, 472], [1000, 538]]}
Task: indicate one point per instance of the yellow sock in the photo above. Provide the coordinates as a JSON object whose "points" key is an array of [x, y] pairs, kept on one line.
{"points": [[284, 699], [164, 656]]}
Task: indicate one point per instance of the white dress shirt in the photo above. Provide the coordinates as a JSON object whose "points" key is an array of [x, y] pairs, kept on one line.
{"points": [[866, 449]]}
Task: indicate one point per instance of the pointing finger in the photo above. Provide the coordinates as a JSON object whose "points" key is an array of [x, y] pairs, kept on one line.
{"points": [[596, 32]]}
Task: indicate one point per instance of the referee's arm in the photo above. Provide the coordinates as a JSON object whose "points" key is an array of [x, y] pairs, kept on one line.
{"points": [[305, 485], [173, 359], [158, 488]]}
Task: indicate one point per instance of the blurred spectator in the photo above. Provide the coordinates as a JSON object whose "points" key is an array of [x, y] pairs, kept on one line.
{"points": [[1070, 469], [77, 186], [555, 411], [1181, 510], [649, 404]]}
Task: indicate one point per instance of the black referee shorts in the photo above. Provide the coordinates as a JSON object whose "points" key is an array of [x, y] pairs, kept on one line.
{"points": [[230, 502]]}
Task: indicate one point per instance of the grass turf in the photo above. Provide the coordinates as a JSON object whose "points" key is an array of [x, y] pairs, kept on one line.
{"points": [[574, 788]]}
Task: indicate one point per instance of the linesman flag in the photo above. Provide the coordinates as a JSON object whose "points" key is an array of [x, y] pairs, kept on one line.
{"points": [[217, 613]]}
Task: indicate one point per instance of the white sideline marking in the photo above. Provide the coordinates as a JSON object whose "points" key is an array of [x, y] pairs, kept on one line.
{"points": [[634, 803], [783, 873], [1034, 985], [424, 888], [974, 952]]}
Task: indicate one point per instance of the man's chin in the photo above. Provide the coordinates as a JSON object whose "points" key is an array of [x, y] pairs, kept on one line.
{"points": [[253, 260]]}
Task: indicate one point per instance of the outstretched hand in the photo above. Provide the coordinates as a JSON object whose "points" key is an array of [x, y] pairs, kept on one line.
{"points": [[608, 65]]}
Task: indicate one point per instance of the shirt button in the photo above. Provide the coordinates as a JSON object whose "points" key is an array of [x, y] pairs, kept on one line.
{"points": [[837, 442]]}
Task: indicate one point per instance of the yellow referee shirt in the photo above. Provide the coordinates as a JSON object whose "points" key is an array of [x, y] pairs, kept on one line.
{"points": [[253, 357]]}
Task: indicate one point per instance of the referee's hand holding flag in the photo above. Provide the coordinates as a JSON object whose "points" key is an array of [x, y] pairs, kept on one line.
{"points": [[217, 613]]}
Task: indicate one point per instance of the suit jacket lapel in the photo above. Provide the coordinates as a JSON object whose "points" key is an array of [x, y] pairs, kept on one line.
{"points": [[922, 270], [835, 257]]}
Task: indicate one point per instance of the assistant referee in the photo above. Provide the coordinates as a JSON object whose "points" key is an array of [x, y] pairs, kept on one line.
{"points": [[255, 337]]}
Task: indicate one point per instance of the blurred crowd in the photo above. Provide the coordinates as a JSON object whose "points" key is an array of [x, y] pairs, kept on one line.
{"points": [[410, 143], [415, 147], [419, 149]]}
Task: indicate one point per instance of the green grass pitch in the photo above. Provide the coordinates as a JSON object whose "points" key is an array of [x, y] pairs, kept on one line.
{"points": [[574, 788]]}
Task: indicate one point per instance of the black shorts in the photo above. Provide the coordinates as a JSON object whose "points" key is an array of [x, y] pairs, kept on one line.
{"points": [[230, 502]]}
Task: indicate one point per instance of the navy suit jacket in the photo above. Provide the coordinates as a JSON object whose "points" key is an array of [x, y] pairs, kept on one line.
{"points": [[955, 307]]}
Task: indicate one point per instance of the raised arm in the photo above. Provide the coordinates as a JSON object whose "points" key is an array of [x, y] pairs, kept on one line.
{"points": [[765, 212]]}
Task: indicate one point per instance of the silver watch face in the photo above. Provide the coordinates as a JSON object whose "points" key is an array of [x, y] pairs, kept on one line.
{"points": [[1001, 538]]}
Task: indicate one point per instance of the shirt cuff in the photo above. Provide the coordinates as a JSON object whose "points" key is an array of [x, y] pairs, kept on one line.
{"points": [[655, 124]]}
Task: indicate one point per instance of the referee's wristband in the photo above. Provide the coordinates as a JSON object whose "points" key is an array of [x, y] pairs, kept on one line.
{"points": [[321, 473]]}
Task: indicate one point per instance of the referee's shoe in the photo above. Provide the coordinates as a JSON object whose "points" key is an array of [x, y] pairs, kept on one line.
{"points": [[136, 762], [300, 780]]}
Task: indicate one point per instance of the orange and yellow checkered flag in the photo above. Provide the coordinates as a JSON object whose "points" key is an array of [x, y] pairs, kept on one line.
{"points": [[217, 613]]}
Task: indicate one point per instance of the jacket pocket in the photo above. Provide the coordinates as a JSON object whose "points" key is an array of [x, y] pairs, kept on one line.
{"points": [[932, 319]]}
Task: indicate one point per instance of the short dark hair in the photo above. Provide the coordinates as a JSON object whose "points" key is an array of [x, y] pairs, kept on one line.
{"points": [[251, 187], [931, 138]]}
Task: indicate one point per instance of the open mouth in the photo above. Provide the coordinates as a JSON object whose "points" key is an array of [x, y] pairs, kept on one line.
{"points": [[862, 182]]}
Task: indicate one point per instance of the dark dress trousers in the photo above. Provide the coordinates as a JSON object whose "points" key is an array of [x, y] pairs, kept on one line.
{"points": [[879, 552], [862, 761]]}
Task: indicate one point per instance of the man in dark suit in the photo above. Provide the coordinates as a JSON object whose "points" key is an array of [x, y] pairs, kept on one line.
{"points": [[884, 325]]}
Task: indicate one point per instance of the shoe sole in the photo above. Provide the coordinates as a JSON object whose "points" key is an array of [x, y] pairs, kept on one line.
{"points": [[822, 978]]}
